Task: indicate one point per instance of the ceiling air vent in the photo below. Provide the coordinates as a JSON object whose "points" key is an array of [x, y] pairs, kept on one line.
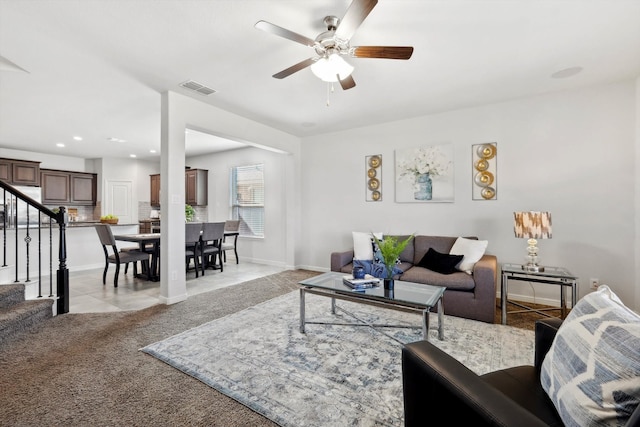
{"points": [[197, 87]]}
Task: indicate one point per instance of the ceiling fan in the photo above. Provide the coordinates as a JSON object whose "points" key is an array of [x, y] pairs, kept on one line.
{"points": [[332, 44]]}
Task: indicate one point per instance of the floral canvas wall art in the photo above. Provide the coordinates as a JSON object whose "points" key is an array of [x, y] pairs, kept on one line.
{"points": [[425, 174]]}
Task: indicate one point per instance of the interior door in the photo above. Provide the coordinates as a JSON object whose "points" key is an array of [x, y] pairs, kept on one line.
{"points": [[120, 202]]}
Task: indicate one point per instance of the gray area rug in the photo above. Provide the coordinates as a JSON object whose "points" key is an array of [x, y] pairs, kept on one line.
{"points": [[332, 375]]}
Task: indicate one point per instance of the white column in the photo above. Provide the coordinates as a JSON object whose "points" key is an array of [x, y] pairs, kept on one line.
{"points": [[173, 287], [637, 201]]}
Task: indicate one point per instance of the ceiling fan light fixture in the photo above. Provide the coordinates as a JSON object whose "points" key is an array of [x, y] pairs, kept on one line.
{"points": [[328, 68]]}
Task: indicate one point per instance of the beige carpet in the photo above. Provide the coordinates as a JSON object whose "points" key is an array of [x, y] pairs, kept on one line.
{"points": [[86, 369]]}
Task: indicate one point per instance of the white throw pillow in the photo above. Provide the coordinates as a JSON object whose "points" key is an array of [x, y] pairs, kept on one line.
{"points": [[362, 246], [592, 370], [472, 250]]}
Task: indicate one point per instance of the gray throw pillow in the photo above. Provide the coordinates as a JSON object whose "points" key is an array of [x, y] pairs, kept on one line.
{"points": [[592, 370]]}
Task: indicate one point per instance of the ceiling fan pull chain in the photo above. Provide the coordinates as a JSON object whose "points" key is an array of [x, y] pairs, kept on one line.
{"points": [[329, 92]]}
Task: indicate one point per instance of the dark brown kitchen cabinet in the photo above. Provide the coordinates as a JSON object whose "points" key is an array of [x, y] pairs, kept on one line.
{"points": [[83, 188], [149, 226], [20, 172], [195, 187], [68, 188], [26, 173], [5, 170], [155, 190], [55, 187]]}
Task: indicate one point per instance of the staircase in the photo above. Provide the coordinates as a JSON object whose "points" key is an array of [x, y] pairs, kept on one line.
{"points": [[18, 314], [27, 231]]}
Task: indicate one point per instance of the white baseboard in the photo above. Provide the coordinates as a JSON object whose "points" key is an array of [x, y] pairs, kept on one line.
{"points": [[265, 262], [311, 268], [7, 274], [173, 300], [531, 300]]}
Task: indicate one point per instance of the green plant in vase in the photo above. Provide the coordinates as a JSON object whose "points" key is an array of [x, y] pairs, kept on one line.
{"points": [[390, 250], [189, 213]]}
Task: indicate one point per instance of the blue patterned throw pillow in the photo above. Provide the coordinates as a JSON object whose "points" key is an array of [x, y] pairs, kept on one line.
{"points": [[375, 267], [378, 269], [371, 268], [592, 370]]}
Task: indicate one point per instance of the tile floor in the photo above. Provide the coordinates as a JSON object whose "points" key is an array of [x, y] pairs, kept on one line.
{"points": [[89, 295]]}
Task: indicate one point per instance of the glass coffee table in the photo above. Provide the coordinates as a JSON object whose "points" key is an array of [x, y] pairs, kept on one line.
{"points": [[406, 296]]}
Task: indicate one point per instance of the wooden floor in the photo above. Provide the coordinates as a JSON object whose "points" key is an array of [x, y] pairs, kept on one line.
{"points": [[523, 320]]}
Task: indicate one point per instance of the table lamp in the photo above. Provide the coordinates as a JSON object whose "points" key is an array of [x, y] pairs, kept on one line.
{"points": [[532, 225]]}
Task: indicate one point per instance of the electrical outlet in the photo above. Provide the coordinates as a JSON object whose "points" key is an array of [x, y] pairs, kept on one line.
{"points": [[594, 283]]}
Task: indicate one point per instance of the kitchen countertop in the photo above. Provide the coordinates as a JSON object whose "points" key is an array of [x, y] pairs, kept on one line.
{"points": [[72, 224], [92, 223]]}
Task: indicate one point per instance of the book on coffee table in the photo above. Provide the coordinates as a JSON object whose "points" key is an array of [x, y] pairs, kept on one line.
{"points": [[369, 281]]}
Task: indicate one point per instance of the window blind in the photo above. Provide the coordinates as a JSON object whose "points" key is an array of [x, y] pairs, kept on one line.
{"points": [[247, 198]]}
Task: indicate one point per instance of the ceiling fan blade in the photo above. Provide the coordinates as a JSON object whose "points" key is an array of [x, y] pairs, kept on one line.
{"points": [[347, 82], [295, 68], [283, 32], [353, 18], [385, 52]]}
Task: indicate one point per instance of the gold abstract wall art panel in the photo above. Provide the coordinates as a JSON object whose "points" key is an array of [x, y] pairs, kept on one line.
{"points": [[373, 178], [484, 171]]}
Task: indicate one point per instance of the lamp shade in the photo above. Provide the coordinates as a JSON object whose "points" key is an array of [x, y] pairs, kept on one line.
{"points": [[328, 69], [532, 225]]}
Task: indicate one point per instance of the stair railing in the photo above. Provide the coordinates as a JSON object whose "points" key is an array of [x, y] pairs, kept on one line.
{"points": [[25, 216]]}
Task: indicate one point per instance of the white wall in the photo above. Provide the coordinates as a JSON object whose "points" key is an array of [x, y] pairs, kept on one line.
{"points": [[574, 153], [571, 153], [144, 170], [135, 171], [636, 192], [271, 248], [179, 113]]}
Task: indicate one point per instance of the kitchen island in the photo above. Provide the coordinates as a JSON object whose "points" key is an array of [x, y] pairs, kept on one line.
{"points": [[84, 251]]}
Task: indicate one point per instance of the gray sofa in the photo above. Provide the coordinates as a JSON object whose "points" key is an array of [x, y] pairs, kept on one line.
{"points": [[469, 296]]}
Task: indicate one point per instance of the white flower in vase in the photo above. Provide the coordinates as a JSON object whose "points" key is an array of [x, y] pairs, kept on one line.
{"points": [[425, 160]]}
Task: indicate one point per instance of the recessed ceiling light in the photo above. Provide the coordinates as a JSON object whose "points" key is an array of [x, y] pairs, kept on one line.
{"points": [[59, 144], [77, 138], [113, 139], [567, 72], [152, 151], [132, 155]]}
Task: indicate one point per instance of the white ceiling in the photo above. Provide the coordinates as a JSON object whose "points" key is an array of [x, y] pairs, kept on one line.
{"points": [[97, 67]]}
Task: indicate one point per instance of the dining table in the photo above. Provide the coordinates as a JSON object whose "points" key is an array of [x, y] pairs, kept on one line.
{"points": [[148, 242]]}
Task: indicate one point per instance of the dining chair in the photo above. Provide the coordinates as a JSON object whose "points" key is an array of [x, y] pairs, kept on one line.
{"points": [[129, 249], [192, 233], [118, 256], [212, 236], [231, 229]]}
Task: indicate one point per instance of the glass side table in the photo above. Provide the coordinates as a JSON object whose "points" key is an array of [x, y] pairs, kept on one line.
{"points": [[551, 276]]}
